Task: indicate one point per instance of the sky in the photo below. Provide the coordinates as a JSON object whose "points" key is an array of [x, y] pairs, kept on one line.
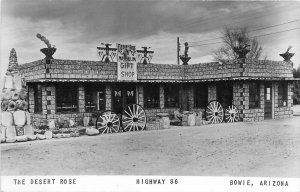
{"points": [[77, 27]]}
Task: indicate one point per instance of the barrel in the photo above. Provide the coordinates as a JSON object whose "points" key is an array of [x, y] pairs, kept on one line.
{"points": [[19, 130], [191, 121]]}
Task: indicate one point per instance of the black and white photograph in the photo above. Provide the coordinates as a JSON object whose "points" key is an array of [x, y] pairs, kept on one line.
{"points": [[107, 95]]}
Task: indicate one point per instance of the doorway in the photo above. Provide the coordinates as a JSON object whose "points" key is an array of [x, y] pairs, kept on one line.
{"points": [[225, 94], [268, 100], [123, 94]]}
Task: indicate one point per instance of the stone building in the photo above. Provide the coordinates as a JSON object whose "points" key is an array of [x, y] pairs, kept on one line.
{"points": [[75, 88]]}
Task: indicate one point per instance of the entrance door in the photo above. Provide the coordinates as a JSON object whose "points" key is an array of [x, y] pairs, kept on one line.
{"points": [[225, 94], [268, 101], [123, 94]]}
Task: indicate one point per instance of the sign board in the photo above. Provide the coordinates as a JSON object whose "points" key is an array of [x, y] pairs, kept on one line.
{"points": [[127, 63]]}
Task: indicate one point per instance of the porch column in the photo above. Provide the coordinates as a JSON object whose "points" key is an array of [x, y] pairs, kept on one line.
{"points": [[108, 97], [140, 94], [81, 98], [161, 97], [31, 98]]}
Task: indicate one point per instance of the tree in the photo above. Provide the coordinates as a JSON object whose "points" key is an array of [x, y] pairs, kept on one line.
{"points": [[237, 37], [296, 72]]}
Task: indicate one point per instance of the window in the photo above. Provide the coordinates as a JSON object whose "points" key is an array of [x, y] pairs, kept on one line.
{"points": [[282, 94], [171, 96], [38, 98], [94, 97], [200, 95], [67, 98], [254, 95], [151, 96]]}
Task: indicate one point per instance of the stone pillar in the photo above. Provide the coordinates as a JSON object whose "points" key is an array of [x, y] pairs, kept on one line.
{"points": [[108, 98], [44, 99], [140, 94], [31, 98], [161, 97], [190, 97], [81, 99], [212, 92], [48, 99], [290, 95]]}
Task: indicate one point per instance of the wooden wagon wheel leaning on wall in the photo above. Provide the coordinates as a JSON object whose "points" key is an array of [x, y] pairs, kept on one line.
{"points": [[108, 122], [134, 118], [231, 114], [214, 112]]}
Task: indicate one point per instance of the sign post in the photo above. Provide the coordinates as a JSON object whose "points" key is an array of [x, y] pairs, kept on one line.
{"points": [[127, 63]]}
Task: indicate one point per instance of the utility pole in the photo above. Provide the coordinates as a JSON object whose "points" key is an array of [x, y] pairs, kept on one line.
{"points": [[178, 50]]}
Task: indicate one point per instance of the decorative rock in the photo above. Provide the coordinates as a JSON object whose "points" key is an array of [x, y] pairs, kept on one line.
{"points": [[164, 123], [57, 136], [65, 135], [71, 123], [48, 134], [4, 105], [91, 131], [191, 121], [24, 105], [7, 95], [12, 106], [28, 118], [2, 133], [18, 81], [23, 94], [8, 82], [31, 137], [40, 137], [28, 130], [51, 124], [22, 138], [86, 121], [20, 118], [10, 132], [2, 138], [10, 140], [7, 119], [15, 96]]}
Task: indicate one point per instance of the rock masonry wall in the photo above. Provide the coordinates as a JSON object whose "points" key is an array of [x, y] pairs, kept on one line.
{"points": [[285, 111], [77, 69]]}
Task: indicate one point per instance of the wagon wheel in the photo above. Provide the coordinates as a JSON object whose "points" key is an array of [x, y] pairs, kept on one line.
{"points": [[108, 122], [214, 112], [231, 114], [134, 118]]}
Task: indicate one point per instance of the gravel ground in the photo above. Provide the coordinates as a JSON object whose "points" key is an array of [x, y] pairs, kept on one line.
{"points": [[267, 148]]}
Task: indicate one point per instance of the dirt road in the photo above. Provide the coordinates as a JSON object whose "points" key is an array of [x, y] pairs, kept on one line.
{"points": [[268, 148]]}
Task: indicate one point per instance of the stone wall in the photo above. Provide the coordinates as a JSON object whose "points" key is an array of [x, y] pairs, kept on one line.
{"points": [[284, 111], [241, 95], [296, 95], [77, 69]]}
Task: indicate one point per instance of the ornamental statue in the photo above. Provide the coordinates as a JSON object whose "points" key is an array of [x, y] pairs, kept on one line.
{"points": [[287, 55]]}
